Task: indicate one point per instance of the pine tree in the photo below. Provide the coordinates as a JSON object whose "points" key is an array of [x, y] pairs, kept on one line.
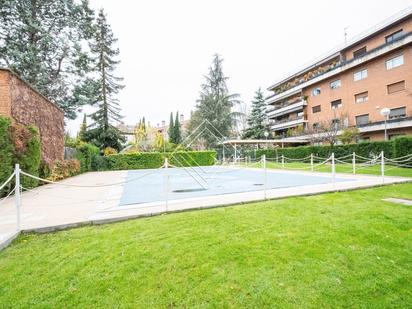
{"points": [[83, 128], [106, 87], [215, 105], [44, 42], [171, 130], [177, 130], [257, 118]]}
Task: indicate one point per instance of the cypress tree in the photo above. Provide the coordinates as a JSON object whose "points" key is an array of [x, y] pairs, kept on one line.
{"points": [[177, 130], [171, 130]]}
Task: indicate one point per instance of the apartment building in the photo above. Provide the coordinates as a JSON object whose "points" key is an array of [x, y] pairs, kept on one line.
{"points": [[350, 86]]}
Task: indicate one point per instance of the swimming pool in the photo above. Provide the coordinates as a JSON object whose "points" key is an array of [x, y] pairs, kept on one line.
{"points": [[145, 186]]}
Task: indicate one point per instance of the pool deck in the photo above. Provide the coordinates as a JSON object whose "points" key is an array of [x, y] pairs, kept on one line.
{"points": [[54, 207]]}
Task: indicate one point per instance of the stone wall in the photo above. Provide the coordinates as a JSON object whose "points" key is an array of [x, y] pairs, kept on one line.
{"points": [[29, 107]]}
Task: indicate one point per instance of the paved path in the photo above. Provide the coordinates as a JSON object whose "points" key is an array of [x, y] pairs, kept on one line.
{"points": [[52, 207]]}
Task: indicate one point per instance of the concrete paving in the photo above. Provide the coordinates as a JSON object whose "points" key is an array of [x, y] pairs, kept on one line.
{"points": [[54, 207]]}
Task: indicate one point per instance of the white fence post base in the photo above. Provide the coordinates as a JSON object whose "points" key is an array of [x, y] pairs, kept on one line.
{"points": [[383, 166]]}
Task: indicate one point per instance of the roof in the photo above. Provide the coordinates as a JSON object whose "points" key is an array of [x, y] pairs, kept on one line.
{"points": [[31, 87], [382, 26]]}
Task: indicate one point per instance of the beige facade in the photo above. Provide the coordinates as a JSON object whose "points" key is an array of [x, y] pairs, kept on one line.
{"points": [[351, 86]]}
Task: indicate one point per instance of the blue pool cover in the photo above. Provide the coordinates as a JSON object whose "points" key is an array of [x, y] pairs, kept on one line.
{"points": [[145, 186]]}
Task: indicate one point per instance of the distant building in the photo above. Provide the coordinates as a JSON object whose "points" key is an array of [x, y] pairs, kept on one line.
{"points": [[351, 85], [25, 105], [128, 131]]}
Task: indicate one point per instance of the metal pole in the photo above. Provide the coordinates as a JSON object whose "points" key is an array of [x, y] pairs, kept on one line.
{"points": [[166, 185], [383, 166], [353, 163], [333, 169], [283, 161], [311, 162], [235, 159], [17, 195], [223, 152], [386, 134], [265, 175]]}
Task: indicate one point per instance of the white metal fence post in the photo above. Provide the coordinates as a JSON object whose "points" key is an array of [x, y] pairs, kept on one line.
{"points": [[166, 184], [17, 196], [353, 163], [383, 166], [264, 175], [311, 162], [283, 161], [333, 169]]}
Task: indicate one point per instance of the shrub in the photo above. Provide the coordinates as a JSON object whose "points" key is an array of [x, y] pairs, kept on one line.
{"points": [[134, 161], [85, 153], [145, 160], [192, 158], [30, 159], [365, 149], [64, 169], [109, 151], [6, 153], [402, 146]]}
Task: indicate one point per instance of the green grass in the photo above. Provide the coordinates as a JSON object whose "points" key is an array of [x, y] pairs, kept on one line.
{"points": [[327, 251], [342, 168]]}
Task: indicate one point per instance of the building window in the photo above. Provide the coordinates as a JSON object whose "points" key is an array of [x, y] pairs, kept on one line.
{"points": [[396, 87], [392, 37], [362, 119], [316, 109], [335, 84], [360, 52], [316, 91], [336, 104], [399, 112], [394, 62], [361, 97], [360, 75]]}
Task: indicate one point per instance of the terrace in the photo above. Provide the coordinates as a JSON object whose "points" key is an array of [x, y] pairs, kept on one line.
{"points": [[329, 69]]}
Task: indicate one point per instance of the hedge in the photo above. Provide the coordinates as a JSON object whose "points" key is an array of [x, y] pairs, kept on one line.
{"points": [[146, 160], [30, 159], [394, 148], [18, 144], [6, 152], [86, 153]]}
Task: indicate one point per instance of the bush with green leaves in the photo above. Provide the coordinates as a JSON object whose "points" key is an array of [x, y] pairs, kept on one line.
{"points": [[6, 152], [144, 160], [85, 153], [365, 149], [402, 146]]}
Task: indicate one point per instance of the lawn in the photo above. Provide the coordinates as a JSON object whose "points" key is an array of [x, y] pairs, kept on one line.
{"points": [[333, 250]]}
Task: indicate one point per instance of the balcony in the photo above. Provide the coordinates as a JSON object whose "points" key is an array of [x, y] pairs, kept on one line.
{"points": [[311, 78], [287, 123], [397, 123], [284, 109]]}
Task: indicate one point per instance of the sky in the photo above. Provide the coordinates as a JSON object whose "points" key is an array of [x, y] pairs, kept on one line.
{"points": [[166, 47]]}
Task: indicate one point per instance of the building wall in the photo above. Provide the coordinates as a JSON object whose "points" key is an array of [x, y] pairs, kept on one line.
{"points": [[376, 85], [5, 102], [24, 105], [379, 39]]}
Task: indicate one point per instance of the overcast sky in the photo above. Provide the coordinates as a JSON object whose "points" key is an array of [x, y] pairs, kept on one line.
{"points": [[167, 46]]}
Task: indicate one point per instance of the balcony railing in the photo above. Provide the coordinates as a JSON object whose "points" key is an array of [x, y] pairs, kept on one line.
{"points": [[286, 109], [287, 123], [327, 68]]}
